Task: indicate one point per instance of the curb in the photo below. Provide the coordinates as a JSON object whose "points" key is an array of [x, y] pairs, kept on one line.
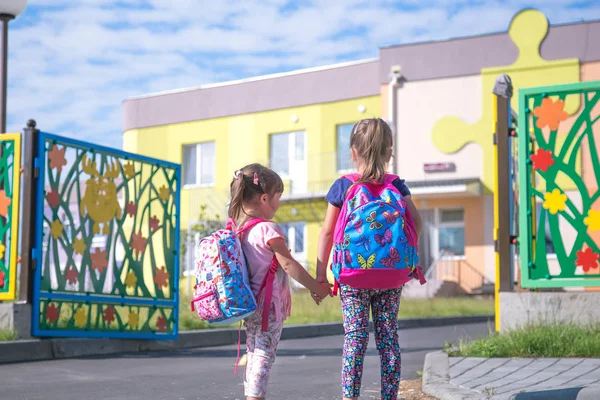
{"points": [[59, 348], [436, 382]]}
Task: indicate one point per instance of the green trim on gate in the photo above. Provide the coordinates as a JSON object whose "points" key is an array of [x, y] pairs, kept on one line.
{"points": [[535, 271]]}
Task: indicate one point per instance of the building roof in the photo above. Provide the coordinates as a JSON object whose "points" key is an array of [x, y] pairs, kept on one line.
{"points": [[420, 61], [271, 92], [467, 56]]}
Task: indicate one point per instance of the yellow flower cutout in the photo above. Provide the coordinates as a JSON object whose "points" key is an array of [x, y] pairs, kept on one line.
{"points": [[80, 318], [593, 220], [2, 250], [131, 279], [56, 229], [555, 201], [164, 193], [133, 319], [129, 170], [79, 246]]}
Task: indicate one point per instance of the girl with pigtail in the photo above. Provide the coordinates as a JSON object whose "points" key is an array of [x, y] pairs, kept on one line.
{"points": [[255, 194]]}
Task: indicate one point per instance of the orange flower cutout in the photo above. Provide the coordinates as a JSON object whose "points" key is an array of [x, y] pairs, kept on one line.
{"points": [[138, 243], [109, 314], [4, 203], [57, 158], [162, 277], [161, 324], [550, 113], [99, 261], [52, 313]]}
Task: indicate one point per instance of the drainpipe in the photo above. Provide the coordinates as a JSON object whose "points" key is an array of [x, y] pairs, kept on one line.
{"points": [[393, 85]]}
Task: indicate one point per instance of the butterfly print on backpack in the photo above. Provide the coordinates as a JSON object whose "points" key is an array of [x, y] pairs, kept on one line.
{"points": [[374, 223], [368, 263], [384, 239], [391, 218], [364, 241], [392, 260]]}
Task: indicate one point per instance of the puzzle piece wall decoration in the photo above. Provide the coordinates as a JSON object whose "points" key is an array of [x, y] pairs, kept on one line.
{"points": [[527, 30]]}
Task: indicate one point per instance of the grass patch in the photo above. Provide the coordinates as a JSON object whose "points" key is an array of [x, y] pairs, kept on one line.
{"points": [[305, 311], [555, 340], [7, 335]]}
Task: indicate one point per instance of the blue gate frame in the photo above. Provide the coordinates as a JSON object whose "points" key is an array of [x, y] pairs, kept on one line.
{"points": [[107, 242]]}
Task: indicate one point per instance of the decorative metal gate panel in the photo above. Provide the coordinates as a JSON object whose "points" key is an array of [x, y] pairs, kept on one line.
{"points": [[10, 163], [552, 147], [107, 242]]}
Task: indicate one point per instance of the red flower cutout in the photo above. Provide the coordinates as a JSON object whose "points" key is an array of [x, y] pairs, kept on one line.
{"points": [[72, 275], [53, 198], [109, 314], [57, 158], [542, 160], [51, 313], [550, 113], [161, 324], [2, 282], [161, 277], [131, 209], [587, 259], [154, 223], [99, 260], [4, 203], [138, 243]]}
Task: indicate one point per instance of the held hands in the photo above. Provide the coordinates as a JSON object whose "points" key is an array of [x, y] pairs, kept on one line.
{"points": [[324, 289]]}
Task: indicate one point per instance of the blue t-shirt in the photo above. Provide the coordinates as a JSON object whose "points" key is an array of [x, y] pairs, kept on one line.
{"points": [[337, 192]]}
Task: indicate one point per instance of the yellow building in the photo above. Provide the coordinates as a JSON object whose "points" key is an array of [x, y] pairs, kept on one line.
{"points": [[437, 97], [298, 123]]}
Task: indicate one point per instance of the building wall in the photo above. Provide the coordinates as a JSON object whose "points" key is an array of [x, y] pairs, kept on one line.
{"points": [[244, 139], [420, 105]]}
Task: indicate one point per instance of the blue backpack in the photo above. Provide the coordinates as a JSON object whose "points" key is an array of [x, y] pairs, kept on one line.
{"points": [[375, 240]]}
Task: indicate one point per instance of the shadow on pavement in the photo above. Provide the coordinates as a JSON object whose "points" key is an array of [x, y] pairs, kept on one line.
{"points": [[562, 394], [209, 353]]}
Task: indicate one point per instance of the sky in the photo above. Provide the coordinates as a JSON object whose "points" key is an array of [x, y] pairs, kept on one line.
{"points": [[73, 62]]}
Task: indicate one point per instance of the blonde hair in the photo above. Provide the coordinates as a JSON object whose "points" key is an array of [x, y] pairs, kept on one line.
{"points": [[372, 140], [249, 183]]}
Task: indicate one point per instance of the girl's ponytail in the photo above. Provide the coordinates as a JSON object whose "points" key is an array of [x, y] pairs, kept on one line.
{"points": [[237, 195], [372, 140]]}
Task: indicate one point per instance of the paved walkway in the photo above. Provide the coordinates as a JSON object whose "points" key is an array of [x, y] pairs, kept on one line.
{"points": [[514, 378], [305, 369]]}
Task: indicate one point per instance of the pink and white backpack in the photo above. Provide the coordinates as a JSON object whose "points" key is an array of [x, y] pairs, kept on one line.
{"points": [[222, 295]]}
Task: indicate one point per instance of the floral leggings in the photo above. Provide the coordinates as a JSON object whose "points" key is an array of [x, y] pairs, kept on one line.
{"points": [[355, 308], [260, 353]]}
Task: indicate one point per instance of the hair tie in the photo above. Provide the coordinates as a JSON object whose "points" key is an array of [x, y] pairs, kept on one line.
{"points": [[256, 178], [237, 174]]}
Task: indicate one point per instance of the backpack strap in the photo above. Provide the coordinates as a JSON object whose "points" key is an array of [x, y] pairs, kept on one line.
{"points": [[267, 283], [387, 179], [249, 225], [267, 286]]}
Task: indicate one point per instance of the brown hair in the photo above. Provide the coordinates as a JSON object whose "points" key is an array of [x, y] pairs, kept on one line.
{"points": [[244, 189], [372, 140]]}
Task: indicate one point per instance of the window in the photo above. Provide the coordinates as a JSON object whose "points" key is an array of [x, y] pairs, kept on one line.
{"points": [[199, 164], [286, 150], [548, 236], [294, 233], [344, 159], [451, 232]]}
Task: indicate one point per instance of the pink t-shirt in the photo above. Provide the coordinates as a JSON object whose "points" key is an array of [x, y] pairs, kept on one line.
{"points": [[259, 256]]}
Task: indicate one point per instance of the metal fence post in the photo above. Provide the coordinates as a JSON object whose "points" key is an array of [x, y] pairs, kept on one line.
{"points": [[30, 173]]}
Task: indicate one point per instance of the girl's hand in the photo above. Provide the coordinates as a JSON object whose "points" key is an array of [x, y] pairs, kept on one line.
{"points": [[324, 291]]}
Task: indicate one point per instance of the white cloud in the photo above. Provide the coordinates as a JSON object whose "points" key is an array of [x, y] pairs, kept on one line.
{"points": [[73, 62]]}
